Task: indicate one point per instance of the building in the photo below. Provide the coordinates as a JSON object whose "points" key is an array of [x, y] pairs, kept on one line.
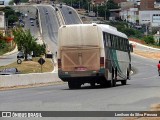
{"points": [[148, 14], [150, 17], [147, 5]]}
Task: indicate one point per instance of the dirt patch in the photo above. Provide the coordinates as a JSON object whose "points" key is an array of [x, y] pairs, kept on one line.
{"points": [[137, 40], [147, 54]]}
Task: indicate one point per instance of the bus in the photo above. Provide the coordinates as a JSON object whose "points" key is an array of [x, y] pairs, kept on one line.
{"points": [[94, 54]]}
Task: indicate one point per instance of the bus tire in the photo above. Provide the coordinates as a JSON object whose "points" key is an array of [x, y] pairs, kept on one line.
{"points": [[128, 74], [113, 81], [92, 84], [73, 85], [103, 84], [124, 82]]}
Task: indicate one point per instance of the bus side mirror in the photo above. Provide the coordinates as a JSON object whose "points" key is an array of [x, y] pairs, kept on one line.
{"points": [[131, 47]]}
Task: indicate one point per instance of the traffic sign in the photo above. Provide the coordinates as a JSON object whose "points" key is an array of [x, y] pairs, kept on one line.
{"points": [[41, 61]]}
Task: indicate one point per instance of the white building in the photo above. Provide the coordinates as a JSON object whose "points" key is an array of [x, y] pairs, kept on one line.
{"points": [[129, 15], [150, 17]]}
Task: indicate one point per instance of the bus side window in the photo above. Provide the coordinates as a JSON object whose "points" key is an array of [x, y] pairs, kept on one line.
{"points": [[109, 40], [114, 42], [116, 38], [118, 43], [125, 45], [104, 38], [121, 43]]}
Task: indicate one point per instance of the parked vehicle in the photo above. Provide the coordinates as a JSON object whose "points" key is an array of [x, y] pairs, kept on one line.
{"points": [[20, 55], [9, 71]]}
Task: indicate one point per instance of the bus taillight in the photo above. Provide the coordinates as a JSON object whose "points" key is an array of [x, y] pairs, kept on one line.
{"points": [[59, 63], [101, 62]]}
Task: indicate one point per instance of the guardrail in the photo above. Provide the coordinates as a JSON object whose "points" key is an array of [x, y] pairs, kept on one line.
{"points": [[60, 17]]}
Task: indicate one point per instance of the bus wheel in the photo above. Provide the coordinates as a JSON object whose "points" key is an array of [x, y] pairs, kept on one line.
{"points": [[103, 84], [128, 74], [92, 84], [113, 81], [124, 82], [73, 85]]}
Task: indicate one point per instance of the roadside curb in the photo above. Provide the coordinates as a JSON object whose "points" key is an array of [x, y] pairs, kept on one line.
{"points": [[135, 43], [12, 52]]}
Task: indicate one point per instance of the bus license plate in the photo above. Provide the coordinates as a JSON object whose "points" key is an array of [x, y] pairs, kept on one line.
{"points": [[80, 69]]}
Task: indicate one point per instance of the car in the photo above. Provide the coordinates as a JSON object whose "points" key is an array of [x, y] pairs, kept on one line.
{"points": [[29, 57], [70, 12], [31, 18], [31, 21], [56, 9], [20, 55], [60, 5], [25, 15], [9, 71], [46, 12], [32, 24]]}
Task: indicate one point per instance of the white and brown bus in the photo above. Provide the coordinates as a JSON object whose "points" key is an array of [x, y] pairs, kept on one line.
{"points": [[93, 53]]}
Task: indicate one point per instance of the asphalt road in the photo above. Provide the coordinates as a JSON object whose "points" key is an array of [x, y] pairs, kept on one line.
{"points": [[31, 12], [8, 59], [140, 92], [50, 26], [72, 18]]}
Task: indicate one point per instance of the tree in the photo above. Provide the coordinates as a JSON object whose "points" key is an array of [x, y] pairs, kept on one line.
{"points": [[11, 2], [112, 5], [16, 1], [12, 19], [26, 42], [149, 39], [8, 11]]}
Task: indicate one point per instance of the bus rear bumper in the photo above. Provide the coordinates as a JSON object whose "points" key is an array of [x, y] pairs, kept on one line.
{"points": [[85, 76]]}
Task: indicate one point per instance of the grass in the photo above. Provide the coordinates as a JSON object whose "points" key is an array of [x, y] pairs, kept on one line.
{"points": [[8, 48], [32, 66]]}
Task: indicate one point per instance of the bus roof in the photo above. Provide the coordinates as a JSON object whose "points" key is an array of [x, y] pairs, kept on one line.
{"points": [[85, 34], [111, 30]]}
